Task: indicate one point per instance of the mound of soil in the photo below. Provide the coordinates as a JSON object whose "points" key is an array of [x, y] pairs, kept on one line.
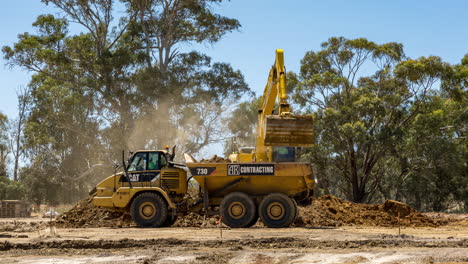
{"points": [[216, 159], [326, 210], [195, 220], [329, 210], [86, 214]]}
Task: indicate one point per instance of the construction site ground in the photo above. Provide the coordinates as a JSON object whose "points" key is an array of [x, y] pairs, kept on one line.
{"points": [[32, 241]]}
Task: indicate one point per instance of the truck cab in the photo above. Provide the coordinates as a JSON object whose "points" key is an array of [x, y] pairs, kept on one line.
{"points": [[149, 175]]}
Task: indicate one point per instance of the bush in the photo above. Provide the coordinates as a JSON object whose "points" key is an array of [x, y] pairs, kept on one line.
{"points": [[11, 190]]}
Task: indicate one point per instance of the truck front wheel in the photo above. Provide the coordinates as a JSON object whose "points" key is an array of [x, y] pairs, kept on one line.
{"points": [[277, 210], [149, 210], [170, 220], [238, 210]]}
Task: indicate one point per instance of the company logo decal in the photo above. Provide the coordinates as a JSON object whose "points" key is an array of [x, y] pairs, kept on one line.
{"points": [[250, 169]]}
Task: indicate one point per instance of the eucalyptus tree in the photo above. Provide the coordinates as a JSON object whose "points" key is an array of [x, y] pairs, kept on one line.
{"points": [[121, 80], [363, 95], [183, 91]]}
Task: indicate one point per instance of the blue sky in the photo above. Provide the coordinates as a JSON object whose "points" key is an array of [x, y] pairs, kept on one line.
{"points": [[424, 27]]}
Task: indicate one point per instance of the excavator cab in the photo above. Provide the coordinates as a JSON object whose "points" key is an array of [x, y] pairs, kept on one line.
{"points": [[284, 154]]}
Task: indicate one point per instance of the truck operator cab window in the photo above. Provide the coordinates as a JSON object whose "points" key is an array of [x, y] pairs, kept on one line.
{"points": [[154, 161], [138, 162]]}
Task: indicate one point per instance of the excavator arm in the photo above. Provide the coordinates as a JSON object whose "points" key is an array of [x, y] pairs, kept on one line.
{"points": [[281, 128]]}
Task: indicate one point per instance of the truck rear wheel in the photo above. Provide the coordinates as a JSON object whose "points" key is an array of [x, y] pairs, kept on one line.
{"points": [[277, 210], [238, 210], [149, 210], [254, 220]]}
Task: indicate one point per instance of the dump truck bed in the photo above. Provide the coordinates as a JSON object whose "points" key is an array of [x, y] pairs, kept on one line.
{"points": [[218, 179]]}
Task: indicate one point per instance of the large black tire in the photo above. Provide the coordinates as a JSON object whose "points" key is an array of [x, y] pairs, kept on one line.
{"points": [[254, 220], [149, 210], [296, 211], [170, 220], [238, 210], [277, 210]]}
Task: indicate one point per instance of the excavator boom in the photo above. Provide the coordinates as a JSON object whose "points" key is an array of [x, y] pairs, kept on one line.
{"points": [[281, 128]]}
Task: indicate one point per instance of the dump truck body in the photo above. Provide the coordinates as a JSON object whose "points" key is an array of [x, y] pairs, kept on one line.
{"points": [[255, 179]]}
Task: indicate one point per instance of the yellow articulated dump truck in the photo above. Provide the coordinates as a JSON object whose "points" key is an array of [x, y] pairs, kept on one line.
{"points": [[265, 183]]}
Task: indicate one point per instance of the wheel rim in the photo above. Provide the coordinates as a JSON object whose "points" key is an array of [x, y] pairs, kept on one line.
{"points": [[147, 210], [236, 210], [276, 210]]}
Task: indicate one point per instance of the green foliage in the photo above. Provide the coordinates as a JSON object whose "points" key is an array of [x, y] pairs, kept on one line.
{"points": [[362, 121], [436, 156], [182, 21], [11, 190], [456, 82]]}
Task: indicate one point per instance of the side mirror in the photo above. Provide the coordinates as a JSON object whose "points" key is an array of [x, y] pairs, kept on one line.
{"points": [[117, 165]]}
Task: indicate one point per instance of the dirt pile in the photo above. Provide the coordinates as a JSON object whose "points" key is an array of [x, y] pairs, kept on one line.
{"points": [[86, 214], [326, 210], [195, 220], [216, 159], [329, 210]]}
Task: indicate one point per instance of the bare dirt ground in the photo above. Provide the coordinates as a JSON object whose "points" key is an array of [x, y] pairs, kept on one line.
{"points": [[328, 230], [20, 243]]}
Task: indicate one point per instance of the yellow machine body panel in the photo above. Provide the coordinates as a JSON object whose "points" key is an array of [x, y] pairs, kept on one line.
{"points": [[246, 154], [113, 193], [124, 195], [174, 180], [245, 157], [219, 179]]}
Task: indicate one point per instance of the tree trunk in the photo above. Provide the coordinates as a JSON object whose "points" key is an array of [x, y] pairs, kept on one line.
{"points": [[358, 196], [15, 171]]}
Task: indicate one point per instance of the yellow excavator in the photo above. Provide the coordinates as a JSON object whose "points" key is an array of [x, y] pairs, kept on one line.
{"points": [[154, 189], [278, 130]]}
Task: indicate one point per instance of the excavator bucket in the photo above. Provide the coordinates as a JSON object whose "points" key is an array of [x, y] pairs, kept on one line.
{"points": [[293, 131]]}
